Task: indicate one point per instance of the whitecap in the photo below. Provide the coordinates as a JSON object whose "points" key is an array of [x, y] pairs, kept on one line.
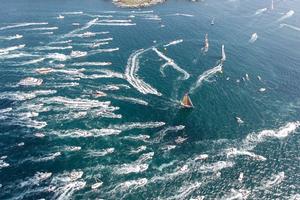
{"points": [[253, 38], [30, 81]]}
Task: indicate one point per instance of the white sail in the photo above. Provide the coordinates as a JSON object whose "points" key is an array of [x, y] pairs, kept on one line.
{"points": [[223, 53]]}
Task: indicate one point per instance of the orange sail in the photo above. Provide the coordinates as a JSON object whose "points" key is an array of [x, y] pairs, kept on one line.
{"points": [[186, 101]]}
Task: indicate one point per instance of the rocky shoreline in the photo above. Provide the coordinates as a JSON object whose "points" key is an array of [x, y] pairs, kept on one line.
{"points": [[136, 3]]}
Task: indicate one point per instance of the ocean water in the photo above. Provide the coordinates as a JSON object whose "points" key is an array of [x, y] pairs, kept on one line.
{"points": [[90, 100]]}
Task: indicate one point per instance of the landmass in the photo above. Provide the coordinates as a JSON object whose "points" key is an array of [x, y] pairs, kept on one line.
{"points": [[136, 3]]}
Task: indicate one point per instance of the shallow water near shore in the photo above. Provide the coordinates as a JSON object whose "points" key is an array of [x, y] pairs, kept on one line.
{"points": [[90, 100]]}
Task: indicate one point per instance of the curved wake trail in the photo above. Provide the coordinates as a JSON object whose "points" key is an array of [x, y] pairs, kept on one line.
{"points": [[286, 16], [171, 63], [131, 74], [205, 76]]}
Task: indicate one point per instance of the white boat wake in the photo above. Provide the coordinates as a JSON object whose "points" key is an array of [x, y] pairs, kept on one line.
{"points": [[286, 16], [205, 76], [171, 63], [131, 74], [173, 43]]}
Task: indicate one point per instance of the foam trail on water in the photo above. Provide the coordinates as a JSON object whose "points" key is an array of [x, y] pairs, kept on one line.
{"points": [[182, 14], [131, 70], [170, 62], [290, 26], [50, 48], [138, 125], [61, 42], [13, 37], [43, 28], [174, 42], [92, 64], [286, 16], [34, 61], [253, 139], [116, 24], [86, 26], [115, 20], [253, 38], [234, 152], [131, 100], [205, 76], [22, 25], [73, 13], [260, 11], [103, 51], [12, 48]]}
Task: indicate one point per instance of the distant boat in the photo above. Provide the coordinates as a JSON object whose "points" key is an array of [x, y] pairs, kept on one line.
{"points": [[186, 101], [212, 21], [223, 53]]}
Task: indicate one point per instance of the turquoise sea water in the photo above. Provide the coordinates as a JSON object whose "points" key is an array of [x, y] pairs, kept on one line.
{"points": [[58, 138]]}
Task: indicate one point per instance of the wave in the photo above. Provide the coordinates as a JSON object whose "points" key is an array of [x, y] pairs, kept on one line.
{"points": [[48, 157], [97, 44], [61, 42], [86, 26], [131, 100], [3, 164], [163, 133], [64, 185], [30, 81], [116, 24], [114, 87], [174, 42], [253, 38], [290, 26], [12, 48], [91, 64], [47, 33], [22, 25], [275, 180], [103, 51], [205, 76], [89, 34], [21, 96], [13, 37], [77, 54], [182, 14], [185, 191], [235, 152], [100, 153], [30, 62], [104, 39], [50, 48], [36, 179], [170, 62], [115, 20], [260, 11], [132, 184], [73, 148], [73, 13], [137, 125], [286, 16], [58, 56], [239, 194], [77, 133], [131, 70], [217, 166], [138, 150], [143, 138], [253, 139], [43, 28]]}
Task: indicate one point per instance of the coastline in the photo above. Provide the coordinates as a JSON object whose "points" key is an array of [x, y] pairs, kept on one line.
{"points": [[136, 3]]}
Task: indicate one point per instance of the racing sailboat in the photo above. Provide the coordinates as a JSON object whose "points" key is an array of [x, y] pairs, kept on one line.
{"points": [[186, 101]]}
